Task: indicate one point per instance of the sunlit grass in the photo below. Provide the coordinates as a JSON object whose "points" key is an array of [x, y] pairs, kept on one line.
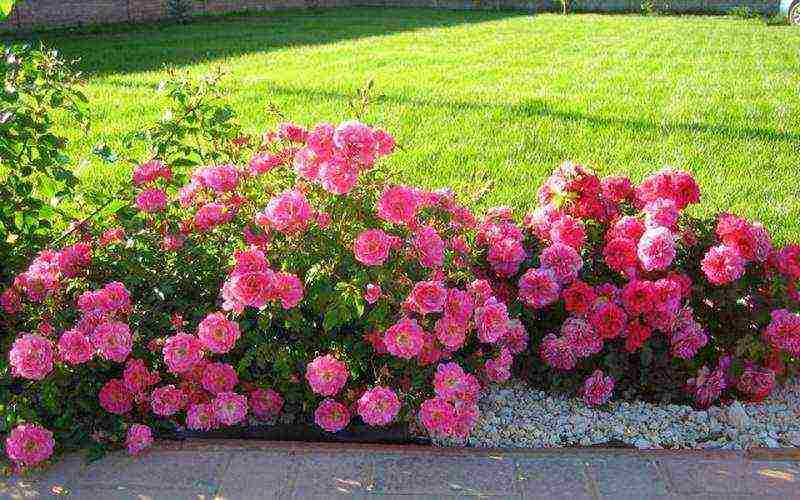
{"points": [[480, 99]]}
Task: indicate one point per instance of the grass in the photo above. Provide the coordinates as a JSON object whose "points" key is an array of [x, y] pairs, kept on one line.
{"points": [[493, 100]]}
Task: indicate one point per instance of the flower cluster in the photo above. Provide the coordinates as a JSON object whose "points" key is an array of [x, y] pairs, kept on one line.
{"points": [[297, 276]]}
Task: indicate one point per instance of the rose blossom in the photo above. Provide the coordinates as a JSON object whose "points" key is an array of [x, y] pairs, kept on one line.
{"points": [[597, 389], [265, 403], [137, 377], [150, 171], [115, 397], [562, 260], [289, 289], [378, 406], [356, 141], [437, 416], [538, 288], [656, 249], [217, 333], [31, 357], [516, 339], [230, 408], [75, 347], [138, 438], [427, 297], [450, 332], [201, 417], [151, 200], [608, 320], [181, 352], [429, 246], [722, 264], [371, 247], [491, 320], [372, 293], [289, 212], [505, 256], [404, 339], [581, 337], [578, 297], [219, 377], [398, 205], [332, 415], [498, 369], [168, 400], [783, 331], [326, 375], [557, 352], [448, 380], [29, 444], [113, 341], [338, 175], [211, 215], [10, 301]]}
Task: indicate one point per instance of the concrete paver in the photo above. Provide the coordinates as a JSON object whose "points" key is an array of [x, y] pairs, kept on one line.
{"points": [[223, 470]]}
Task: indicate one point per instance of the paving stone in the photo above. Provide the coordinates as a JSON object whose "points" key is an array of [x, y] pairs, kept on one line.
{"points": [[553, 478], [100, 492], [53, 480], [774, 478], [332, 474], [258, 475], [444, 475], [707, 476], [627, 478], [173, 470]]}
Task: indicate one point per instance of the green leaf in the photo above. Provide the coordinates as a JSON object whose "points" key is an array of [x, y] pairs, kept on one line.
{"points": [[5, 8], [105, 153]]}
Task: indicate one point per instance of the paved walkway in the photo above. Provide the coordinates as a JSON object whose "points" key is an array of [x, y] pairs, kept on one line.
{"points": [[247, 470]]}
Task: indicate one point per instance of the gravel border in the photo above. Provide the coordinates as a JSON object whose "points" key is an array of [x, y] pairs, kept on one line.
{"points": [[516, 416]]}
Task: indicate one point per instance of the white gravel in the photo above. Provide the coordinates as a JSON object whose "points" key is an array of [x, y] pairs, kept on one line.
{"points": [[516, 416]]}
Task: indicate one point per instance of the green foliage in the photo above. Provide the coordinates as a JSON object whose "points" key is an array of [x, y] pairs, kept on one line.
{"points": [[650, 8], [41, 93], [743, 12], [198, 126], [6, 6]]}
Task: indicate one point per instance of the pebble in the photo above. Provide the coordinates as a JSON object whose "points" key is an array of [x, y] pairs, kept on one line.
{"points": [[517, 416]]}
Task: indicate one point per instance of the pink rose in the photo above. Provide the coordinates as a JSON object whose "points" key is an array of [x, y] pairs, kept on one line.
{"points": [[372, 247], [138, 439]]}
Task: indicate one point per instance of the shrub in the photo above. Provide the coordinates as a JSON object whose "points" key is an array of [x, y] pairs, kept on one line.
{"points": [[607, 275], [223, 289], [40, 91]]}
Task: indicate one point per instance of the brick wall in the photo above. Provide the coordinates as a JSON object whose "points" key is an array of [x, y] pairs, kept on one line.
{"points": [[30, 14]]}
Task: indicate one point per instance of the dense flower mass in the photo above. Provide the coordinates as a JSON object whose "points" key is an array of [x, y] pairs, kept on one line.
{"points": [[288, 272]]}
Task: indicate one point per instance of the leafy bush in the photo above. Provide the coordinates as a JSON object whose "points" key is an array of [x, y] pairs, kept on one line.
{"points": [[39, 91], [612, 277], [287, 274], [650, 8], [743, 12]]}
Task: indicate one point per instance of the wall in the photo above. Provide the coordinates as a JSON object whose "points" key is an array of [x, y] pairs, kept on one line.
{"points": [[31, 14]]}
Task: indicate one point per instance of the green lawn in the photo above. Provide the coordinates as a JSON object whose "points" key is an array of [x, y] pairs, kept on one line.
{"points": [[492, 99]]}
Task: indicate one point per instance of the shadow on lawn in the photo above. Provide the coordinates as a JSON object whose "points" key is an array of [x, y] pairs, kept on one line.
{"points": [[539, 108], [147, 48]]}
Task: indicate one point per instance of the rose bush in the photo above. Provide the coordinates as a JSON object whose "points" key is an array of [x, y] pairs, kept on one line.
{"points": [[622, 291], [300, 277], [254, 276]]}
